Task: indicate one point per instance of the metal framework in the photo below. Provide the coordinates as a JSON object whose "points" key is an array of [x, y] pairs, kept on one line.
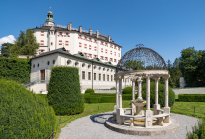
{"points": [[141, 58]]}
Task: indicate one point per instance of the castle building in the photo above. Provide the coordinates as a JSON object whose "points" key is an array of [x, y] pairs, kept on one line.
{"points": [[94, 54], [51, 36]]}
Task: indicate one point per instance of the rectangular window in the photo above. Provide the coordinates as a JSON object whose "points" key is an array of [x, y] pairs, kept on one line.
{"points": [[103, 77], [102, 50], [42, 33], [60, 33], [119, 48], [111, 52], [107, 77], [60, 42], [83, 74], [99, 77], [79, 36], [80, 44], [85, 46], [115, 54], [66, 43], [68, 34], [89, 75], [106, 58], [111, 77], [42, 42], [90, 47], [95, 48], [119, 54], [94, 76]]}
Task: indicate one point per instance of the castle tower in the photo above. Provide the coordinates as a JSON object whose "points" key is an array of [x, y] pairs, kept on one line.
{"points": [[49, 19]]}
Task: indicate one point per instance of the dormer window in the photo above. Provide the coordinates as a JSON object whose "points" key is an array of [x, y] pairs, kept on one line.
{"points": [[51, 44]]}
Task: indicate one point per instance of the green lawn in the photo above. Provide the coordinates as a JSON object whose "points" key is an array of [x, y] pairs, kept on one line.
{"points": [[90, 109], [185, 108]]}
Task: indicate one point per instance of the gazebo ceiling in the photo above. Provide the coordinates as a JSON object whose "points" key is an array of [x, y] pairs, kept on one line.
{"points": [[141, 58]]}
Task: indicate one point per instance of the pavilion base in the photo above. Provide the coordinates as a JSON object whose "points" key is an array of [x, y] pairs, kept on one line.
{"points": [[168, 128]]}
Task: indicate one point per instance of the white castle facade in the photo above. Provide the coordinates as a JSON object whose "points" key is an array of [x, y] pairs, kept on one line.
{"points": [[94, 54]]}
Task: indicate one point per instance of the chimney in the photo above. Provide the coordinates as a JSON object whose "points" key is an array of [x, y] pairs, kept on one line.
{"points": [[97, 33], [80, 29], [69, 26], [91, 31], [108, 38]]}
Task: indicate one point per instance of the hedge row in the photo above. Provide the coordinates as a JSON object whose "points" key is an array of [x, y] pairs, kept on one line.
{"points": [[191, 97], [15, 69], [105, 98]]}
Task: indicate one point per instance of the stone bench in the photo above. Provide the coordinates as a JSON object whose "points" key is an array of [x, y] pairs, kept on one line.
{"points": [[159, 118], [114, 112]]}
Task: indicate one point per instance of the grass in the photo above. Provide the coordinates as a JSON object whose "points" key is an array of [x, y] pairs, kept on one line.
{"points": [[185, 108], [90, 109]]}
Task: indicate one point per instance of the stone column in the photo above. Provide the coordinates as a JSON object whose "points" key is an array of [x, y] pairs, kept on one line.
{"points": [[166, 108], [139, 89], [133, 97], [148, 92], [117, 94], [148, 113], [156, 105], [120, 111]]}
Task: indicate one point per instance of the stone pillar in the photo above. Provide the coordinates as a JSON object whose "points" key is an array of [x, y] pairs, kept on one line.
{"points": [[117, 94], [139, 89], [148, 92], [148, 112], [120, 111], [156, 105], [133, 97], [166, 108]]}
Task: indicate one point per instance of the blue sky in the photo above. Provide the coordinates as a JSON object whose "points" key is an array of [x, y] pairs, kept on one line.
{"points": [[166, 26]]}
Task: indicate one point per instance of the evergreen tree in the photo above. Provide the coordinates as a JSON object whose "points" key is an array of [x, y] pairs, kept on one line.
{"points": [[25, 44]]}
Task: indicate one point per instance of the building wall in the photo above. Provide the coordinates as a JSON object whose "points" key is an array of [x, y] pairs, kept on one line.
{"points": [[75, 42], [82, 65]]}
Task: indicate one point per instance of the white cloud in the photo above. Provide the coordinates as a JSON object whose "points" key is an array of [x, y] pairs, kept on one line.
{"points": [[9, 39]]}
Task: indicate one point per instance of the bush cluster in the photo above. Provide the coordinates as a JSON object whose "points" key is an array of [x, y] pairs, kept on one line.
{"points": [[15, 69], [198, 131], [191, 97], [161, 94], [23, 114], [64, 93], [89, 91], [127, 90]]}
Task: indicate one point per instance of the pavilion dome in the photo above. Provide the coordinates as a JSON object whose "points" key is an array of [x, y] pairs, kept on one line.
{"points": [[141, 58]]}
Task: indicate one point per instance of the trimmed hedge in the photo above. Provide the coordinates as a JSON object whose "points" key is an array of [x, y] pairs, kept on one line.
{"points": [[161, 94], [15, 69], [191, 97], [105, 98], [89, 91], [64, 93], [127, 90], [23, 114]]}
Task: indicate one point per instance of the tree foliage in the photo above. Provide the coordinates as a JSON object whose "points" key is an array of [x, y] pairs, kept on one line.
{"points": [[5, 49], [25, 44], [174, 72], [192, 63]]}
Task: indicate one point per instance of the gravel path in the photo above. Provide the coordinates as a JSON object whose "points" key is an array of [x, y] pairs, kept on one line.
{"points": [[93, 127]]}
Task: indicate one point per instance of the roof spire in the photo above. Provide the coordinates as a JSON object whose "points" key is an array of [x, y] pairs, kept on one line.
{"points": [[49, 19]]}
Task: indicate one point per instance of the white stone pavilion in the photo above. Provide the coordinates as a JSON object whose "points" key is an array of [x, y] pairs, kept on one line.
{"points": [[154, 67]]}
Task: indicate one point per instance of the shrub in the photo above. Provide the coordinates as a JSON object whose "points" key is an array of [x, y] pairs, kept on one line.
{"points": [[161, 94], [191, 97], [22, 114], [198, 131], [127, 90], [89, 91], [64, 93], [15, 69]]}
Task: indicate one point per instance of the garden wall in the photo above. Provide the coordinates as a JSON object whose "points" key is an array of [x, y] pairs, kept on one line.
{"points": [[194, 90]]}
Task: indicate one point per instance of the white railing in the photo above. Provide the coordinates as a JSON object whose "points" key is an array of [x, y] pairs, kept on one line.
{"points": [[74, 29]]}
